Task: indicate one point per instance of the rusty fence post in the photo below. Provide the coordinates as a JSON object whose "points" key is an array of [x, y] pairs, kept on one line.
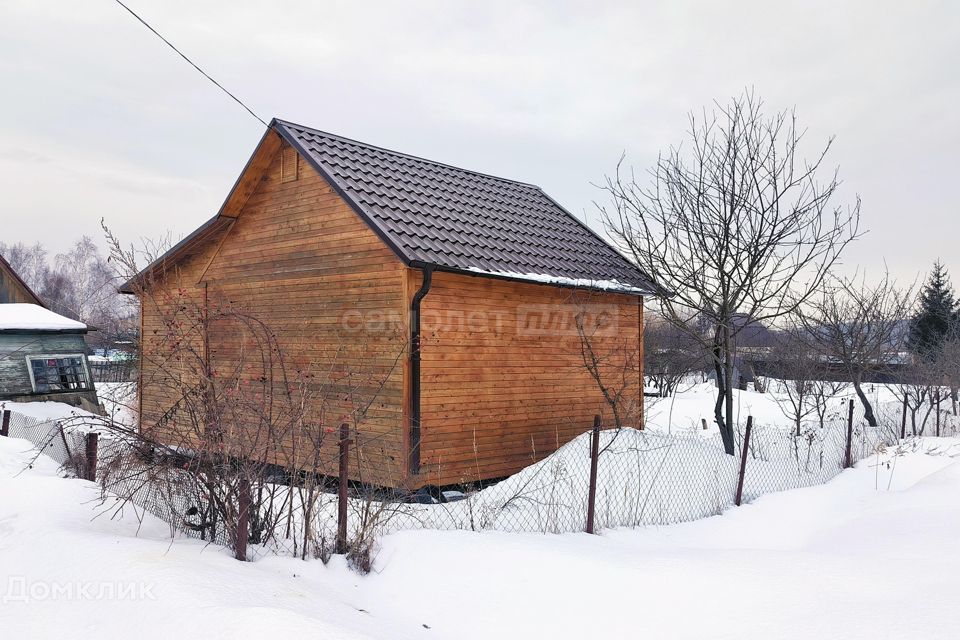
{"points": [[938, 412], [66, 447], [903, 419], [743, 461], [594, 459], [848, 457], [91, 445], [342, 489], [5, 425], [243, 517]]}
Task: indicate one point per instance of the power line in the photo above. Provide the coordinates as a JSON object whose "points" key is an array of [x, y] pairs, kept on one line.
{"points": [[192, 63]]}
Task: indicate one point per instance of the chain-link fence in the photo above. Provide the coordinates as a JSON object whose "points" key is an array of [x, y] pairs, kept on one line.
{"points": [[642, 478], [63, 446]]}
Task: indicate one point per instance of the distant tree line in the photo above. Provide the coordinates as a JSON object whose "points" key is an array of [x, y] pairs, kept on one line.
{"points": [[850, 333], [78, 283]]}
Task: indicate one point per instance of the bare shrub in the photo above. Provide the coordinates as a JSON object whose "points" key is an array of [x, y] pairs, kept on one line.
{"points": [[246, 445]]}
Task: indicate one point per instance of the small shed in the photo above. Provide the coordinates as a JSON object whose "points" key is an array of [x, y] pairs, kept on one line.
{"points": [[43, 357], [483, 277]]}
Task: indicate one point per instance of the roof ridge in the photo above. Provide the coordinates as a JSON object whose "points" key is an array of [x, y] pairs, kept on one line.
{"points": [[404, 155]]}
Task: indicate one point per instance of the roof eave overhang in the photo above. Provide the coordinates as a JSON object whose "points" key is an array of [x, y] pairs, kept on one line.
{"points": [[160, 264], [635, 292], [44, 331], [230, 209]]}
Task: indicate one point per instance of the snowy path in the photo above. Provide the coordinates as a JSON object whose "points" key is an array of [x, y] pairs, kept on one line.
{"points": [[849, 559]]}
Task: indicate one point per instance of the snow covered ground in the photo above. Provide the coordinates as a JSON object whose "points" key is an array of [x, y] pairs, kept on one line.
{"points": [[119, 400], [694, 402], [871, 554]]}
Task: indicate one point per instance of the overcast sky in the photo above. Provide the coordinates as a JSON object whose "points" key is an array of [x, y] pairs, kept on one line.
{"points": [[98, 118]]}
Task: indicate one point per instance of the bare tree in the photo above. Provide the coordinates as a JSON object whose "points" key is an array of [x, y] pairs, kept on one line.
{"points": [[797, 369], [948, 361], [858, 329], [911, 391], [670, 357], [29, 261], [128, 260], [921, 391], [734, 223], [823, 393], [810, 387], [611, 360], [79, 283], [87, 285]]}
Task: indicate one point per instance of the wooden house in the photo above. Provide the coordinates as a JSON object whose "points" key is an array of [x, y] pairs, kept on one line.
{"points": [[333, 242]]}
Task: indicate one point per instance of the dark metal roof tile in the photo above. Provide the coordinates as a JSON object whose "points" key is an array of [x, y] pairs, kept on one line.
{"points": [[458, 219]]}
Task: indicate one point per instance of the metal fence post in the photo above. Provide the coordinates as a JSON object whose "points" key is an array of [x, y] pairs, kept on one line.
{"points": [[5, 425], [244, 500], [938, 412], [66, 448], [594, 459], [848, 458], [903, 419], [743, 460], [342, 489], [90, 453]]}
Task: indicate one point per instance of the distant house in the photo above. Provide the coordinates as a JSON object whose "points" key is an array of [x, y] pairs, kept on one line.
{"points": [[42, 354], [483, 275], [43, 357]]}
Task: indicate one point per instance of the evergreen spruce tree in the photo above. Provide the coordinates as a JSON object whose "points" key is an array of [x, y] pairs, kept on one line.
{"points": [[938, 317]]}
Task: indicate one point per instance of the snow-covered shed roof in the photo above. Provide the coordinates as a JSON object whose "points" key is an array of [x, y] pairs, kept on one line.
{"points": [[29, 318]]}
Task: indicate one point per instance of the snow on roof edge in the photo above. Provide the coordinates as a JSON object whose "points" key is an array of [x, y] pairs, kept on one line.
{"points": [[25, 316], [614, 286]]}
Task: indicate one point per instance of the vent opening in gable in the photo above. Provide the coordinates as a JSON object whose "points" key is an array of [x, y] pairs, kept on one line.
{"points": [[289, 164]]}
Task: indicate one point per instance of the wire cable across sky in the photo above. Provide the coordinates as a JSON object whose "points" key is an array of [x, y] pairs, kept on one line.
{"points": [[192, 63]]}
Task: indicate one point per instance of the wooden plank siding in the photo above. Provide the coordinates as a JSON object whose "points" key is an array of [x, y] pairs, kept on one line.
{"points": [[12, 288], [503, 377], [172, 295], [300, 260]]}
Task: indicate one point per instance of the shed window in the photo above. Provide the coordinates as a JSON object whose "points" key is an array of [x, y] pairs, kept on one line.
{"points": [[58, 373]]}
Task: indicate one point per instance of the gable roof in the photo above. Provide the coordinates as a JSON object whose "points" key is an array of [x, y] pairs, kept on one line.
{"points": [[459, 220], [436, 215], [14, 277]]}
